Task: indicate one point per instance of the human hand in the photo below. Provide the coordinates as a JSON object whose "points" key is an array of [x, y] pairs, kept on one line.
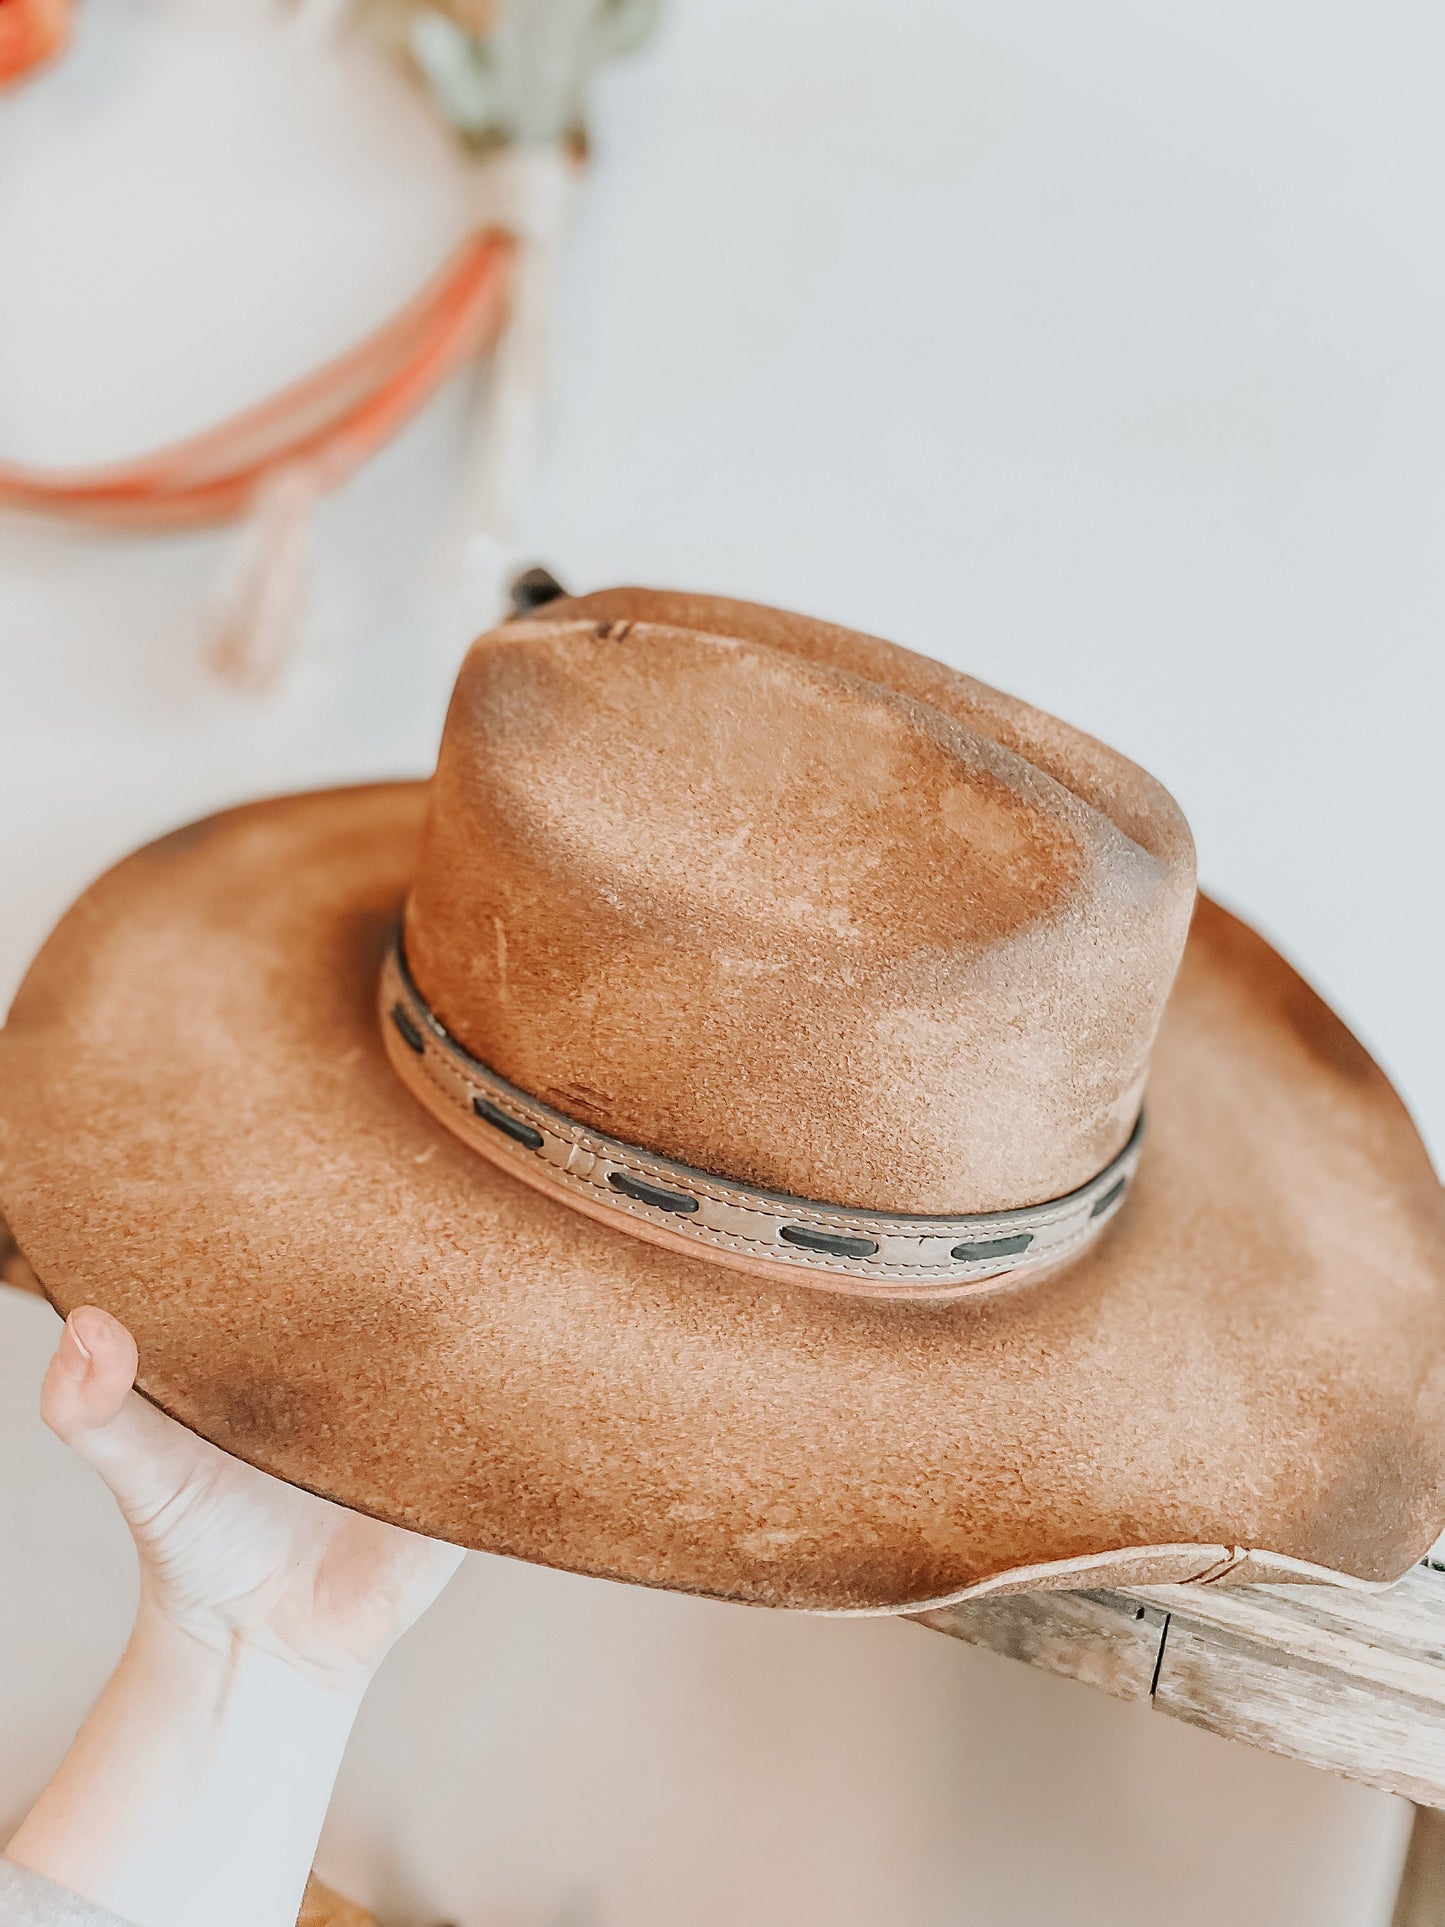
{"points": [[196, 1788], [230, 1556]]}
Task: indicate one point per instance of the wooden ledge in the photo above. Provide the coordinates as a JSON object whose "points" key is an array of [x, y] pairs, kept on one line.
{"points": [[1353, 1682]]}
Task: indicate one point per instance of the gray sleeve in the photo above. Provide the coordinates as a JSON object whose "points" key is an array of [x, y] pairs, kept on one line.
{"points": [[28, 1900]]}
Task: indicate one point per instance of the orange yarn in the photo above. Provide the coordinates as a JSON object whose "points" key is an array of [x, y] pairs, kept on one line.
{"points": [[332, 420]]}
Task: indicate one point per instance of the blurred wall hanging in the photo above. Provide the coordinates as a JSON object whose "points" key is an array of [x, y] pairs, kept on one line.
{"points": [[511, 78], [32, 32]]}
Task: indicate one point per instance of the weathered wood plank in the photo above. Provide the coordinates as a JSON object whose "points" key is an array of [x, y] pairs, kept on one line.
{"points": [[1101, 1638], [1351, 1682], [1348, 1681]]}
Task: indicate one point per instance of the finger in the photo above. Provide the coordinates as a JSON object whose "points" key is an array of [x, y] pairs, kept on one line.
{"points": [[93, 1369], [87, 1400]]}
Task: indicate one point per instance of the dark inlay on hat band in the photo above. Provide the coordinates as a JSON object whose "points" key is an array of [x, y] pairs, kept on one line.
{"points": [[894, 1253]]}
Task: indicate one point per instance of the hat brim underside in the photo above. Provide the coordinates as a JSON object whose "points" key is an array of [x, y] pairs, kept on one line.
{"points": [[199, 1131]]}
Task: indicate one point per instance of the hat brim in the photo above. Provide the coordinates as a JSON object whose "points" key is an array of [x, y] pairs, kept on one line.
{"points": [[199, 1131]]}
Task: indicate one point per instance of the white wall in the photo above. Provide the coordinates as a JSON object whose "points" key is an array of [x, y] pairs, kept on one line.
{"points": [[1093, 349]]}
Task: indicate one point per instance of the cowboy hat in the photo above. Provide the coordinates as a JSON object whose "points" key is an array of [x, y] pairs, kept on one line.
{"points": [[771, 1118]]}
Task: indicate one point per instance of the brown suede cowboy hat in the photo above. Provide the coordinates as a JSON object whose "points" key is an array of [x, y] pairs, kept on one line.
{"points": [[771, 1119]]}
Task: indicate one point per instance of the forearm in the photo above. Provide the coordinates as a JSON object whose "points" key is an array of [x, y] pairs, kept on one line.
{"points": [[196, 1789]]}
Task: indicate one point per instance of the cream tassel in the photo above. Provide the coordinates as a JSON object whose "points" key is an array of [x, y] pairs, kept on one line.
{"points": [[262, 598], [530, 190]]}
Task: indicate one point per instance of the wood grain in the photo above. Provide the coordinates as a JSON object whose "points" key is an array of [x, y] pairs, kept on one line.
{"points": [[1102, 1638], [1352, 1682]]}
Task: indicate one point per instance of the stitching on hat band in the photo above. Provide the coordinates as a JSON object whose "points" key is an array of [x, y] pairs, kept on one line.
{"points": [[893, 1254]]}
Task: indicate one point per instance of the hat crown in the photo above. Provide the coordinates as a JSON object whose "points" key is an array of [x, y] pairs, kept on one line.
{"points": [[794, 906]]}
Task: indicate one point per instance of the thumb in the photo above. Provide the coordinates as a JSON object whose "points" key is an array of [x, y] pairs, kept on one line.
{"points": [[87, 1400], [89, 1378]]}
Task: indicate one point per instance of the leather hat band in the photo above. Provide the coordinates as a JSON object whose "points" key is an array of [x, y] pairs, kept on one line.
{"points": [[875, 1253]]}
